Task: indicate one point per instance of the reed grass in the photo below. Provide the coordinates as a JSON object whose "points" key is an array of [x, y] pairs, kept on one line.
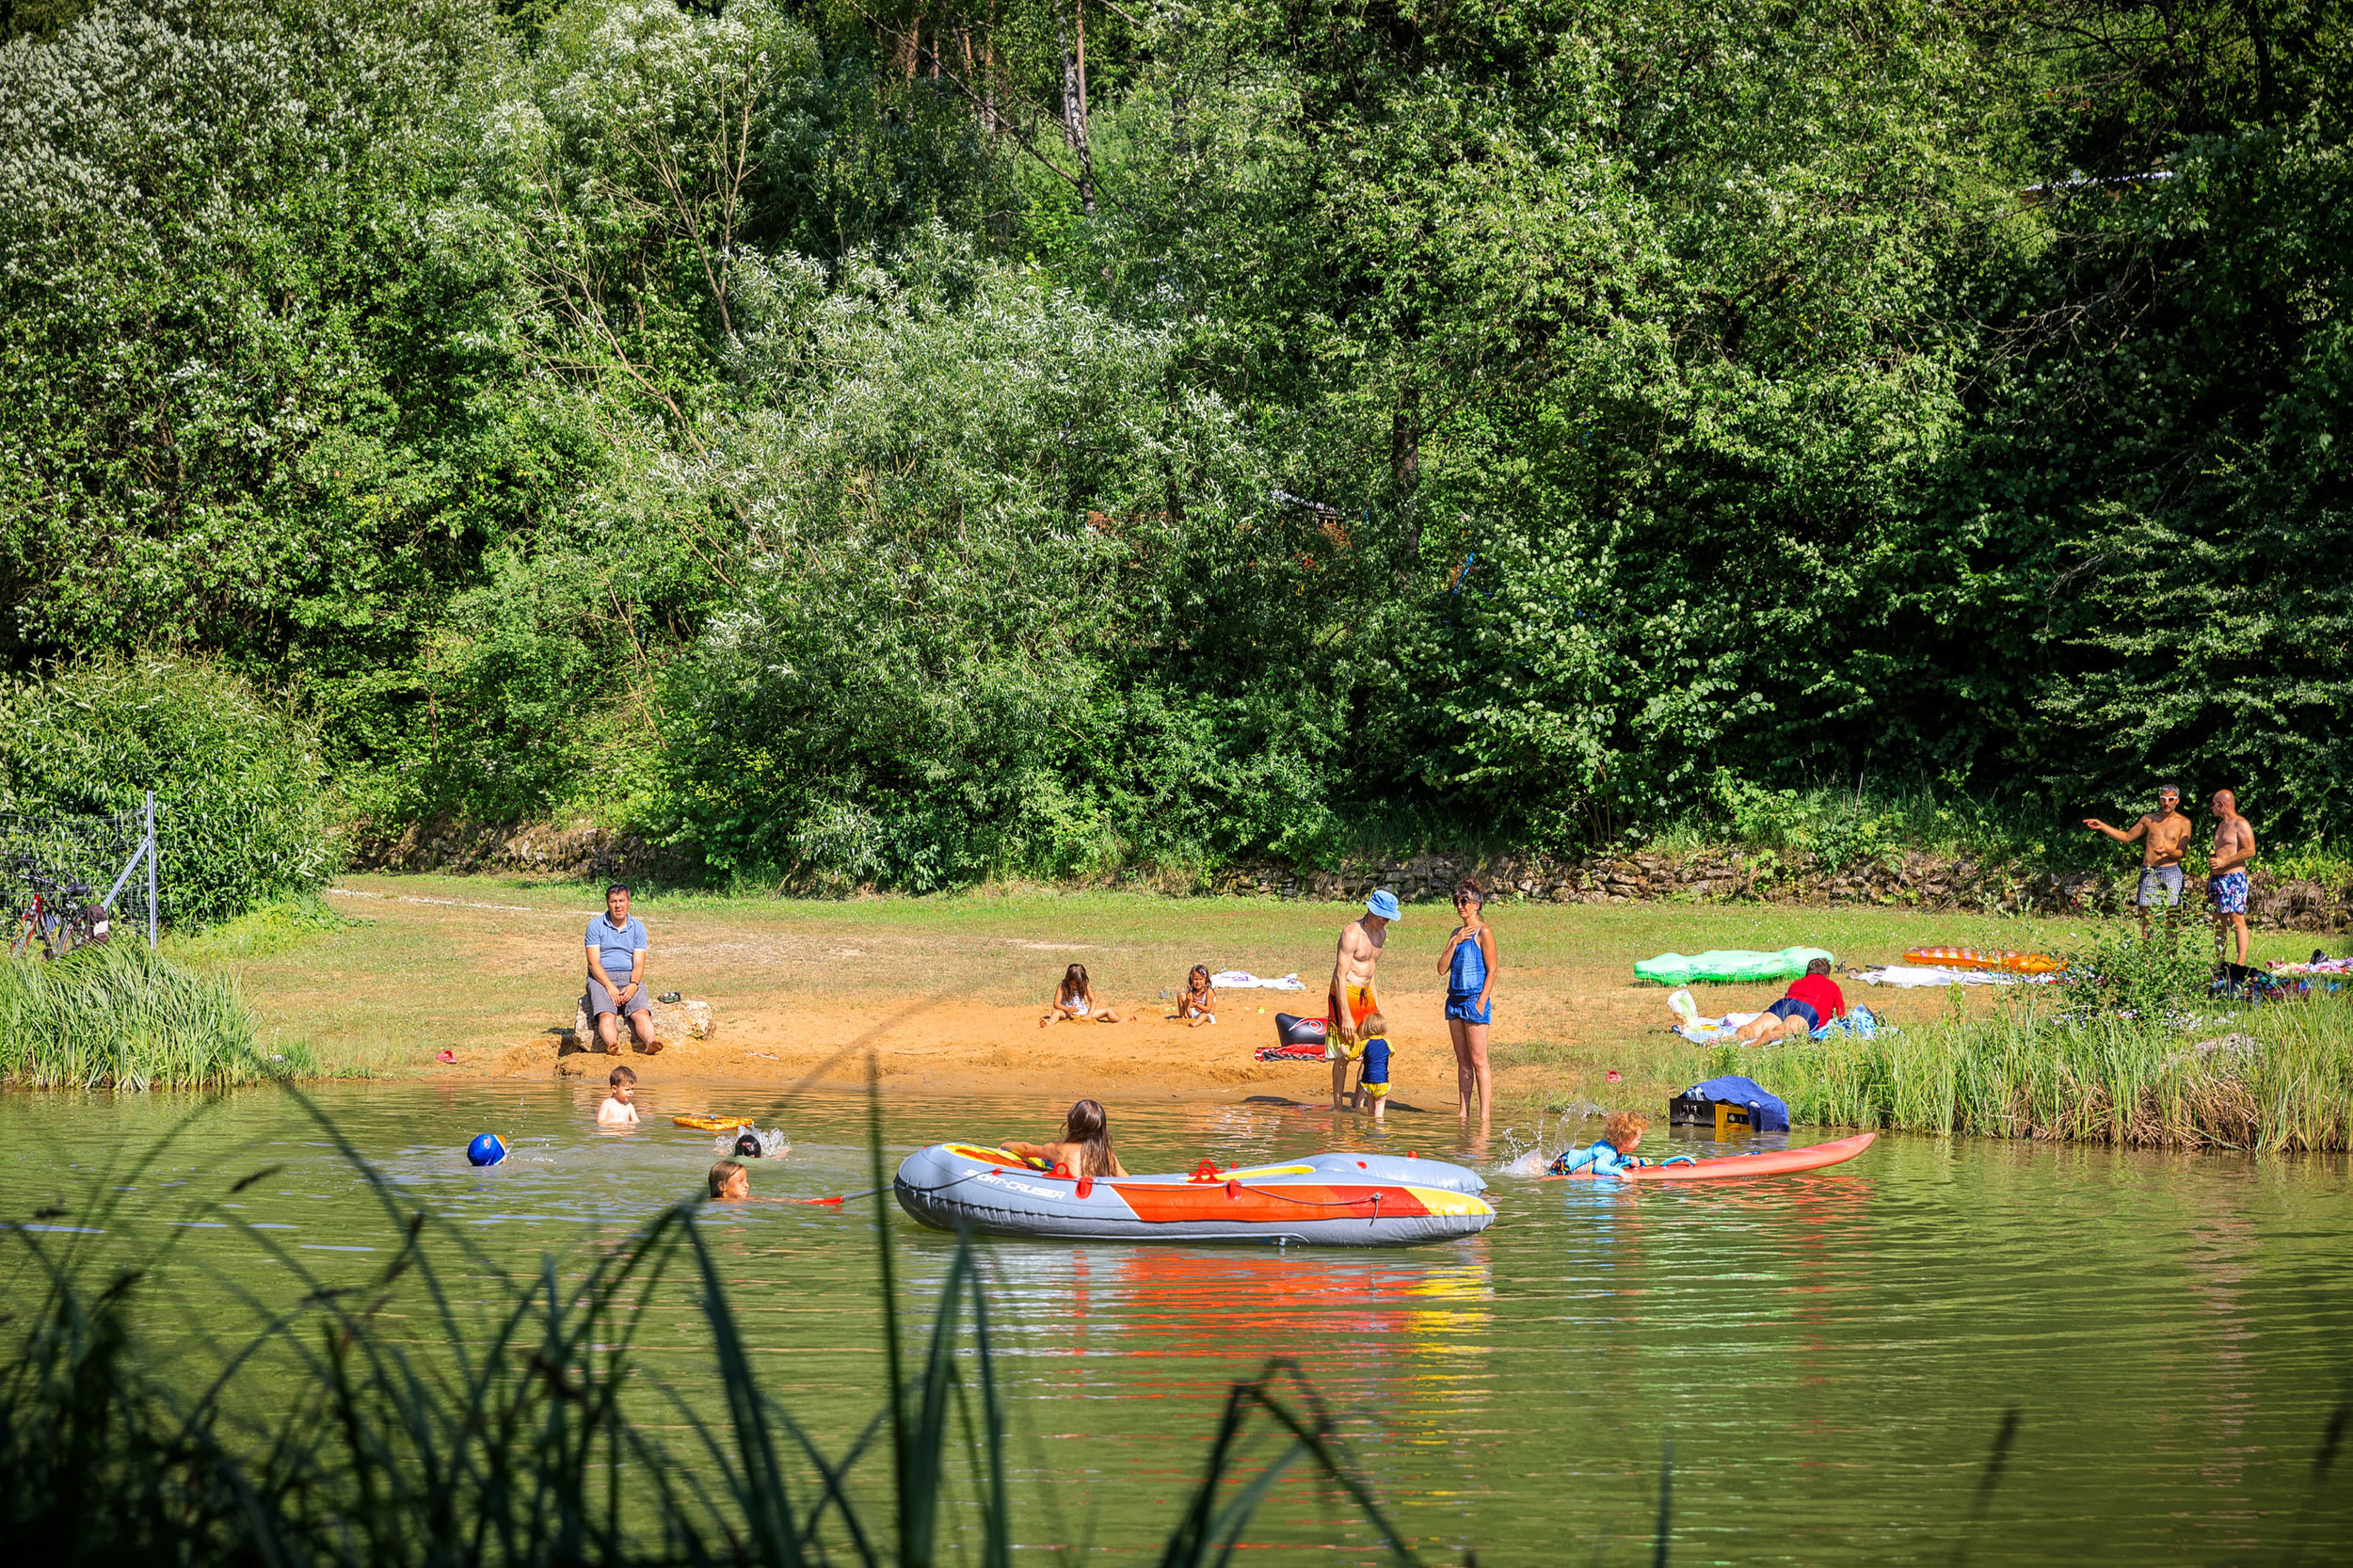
{"points": [[448, 1411], [120, 1016], [2270, 1080]]}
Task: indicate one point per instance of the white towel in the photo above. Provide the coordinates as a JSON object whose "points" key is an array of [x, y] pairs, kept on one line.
{"points": [[1242, 979], [1909, 975]]}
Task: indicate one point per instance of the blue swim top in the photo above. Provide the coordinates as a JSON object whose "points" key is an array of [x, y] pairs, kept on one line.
{"points": [[1376, 1061], [1601, 1156], [1468, 970]]}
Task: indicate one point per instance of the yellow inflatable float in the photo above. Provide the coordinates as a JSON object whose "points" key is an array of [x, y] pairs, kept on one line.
{"points": [[711, 1124]]}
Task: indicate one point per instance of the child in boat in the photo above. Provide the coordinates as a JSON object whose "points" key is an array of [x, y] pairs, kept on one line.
{"points": [[617, 1111], [1372, 1077], [730, 1182], [1199, 1002], [1074, 998], [1085, 1149], [1612, 1153]]}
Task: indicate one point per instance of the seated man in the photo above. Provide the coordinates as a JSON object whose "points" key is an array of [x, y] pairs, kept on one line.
{"points": [[617, 946], [1814, 1000]]}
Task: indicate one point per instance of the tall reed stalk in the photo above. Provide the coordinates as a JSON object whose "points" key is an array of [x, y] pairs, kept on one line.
{"points": [[2277, 1078], [445, 1411], [124, 1018]]}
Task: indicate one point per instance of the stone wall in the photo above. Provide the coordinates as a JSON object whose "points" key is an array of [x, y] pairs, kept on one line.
{"points": [[1916, 881], [578, 850]]}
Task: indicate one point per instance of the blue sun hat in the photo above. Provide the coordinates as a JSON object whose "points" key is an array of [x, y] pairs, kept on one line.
{"points": [[486, 1149], [1383, 904]]}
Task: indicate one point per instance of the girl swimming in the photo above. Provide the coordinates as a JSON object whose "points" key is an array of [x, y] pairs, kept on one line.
{"points": [[1074, 998], [1085, 1149]]}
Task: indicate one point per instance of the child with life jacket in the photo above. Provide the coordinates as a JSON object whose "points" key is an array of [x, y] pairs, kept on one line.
{"points": [[1612, 1153]]}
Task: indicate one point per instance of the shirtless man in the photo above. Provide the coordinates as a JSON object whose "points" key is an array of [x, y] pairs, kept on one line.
{"points": [[2164, 834], [1352, 998], [2226, 872]]}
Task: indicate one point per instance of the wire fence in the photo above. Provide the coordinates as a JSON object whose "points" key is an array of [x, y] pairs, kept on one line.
{"points": [[53, 865]]}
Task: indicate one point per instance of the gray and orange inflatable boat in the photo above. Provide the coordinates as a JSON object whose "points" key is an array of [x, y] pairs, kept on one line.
{"points": [[1332, 1200]]}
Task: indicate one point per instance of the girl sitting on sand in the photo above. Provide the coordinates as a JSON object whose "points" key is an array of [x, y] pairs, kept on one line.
{"points": [[1199, 1002], [1075, 999], [1085, 1149]]}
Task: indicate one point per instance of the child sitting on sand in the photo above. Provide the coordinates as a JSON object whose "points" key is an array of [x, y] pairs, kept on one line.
{"points": [[617, 1111], [1372, 1077], [1612, 1153], [1199, 1002], [1074, 998]]}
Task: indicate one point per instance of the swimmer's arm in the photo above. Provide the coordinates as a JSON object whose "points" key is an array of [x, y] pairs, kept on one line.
{"points": [[1045, 1152], [1117, 1169], [1487, 949]]}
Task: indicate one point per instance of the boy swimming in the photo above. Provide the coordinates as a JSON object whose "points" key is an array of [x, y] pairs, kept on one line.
{"points": [[617, 1111], [1612, 1154]]}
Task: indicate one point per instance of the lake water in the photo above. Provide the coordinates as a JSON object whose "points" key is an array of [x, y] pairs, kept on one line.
{"points": [[1831, 1354]]}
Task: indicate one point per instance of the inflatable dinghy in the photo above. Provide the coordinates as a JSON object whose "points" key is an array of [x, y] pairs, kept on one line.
{"points": [[1333, 1200], [1736, 1167]]}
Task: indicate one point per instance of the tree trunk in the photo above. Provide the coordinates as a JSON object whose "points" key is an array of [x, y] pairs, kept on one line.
{"points": [[1405, 473], [1074, 106]]}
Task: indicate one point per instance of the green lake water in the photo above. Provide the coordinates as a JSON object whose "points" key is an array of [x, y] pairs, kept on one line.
{"points": [[1831, 1354]]}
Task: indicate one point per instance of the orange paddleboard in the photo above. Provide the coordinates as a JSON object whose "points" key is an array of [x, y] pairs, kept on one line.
{"points": [[1736, 1166], [1970, 958]]}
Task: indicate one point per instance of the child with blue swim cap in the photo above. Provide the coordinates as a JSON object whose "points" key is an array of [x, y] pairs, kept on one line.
{"points": [[486, 1149]]}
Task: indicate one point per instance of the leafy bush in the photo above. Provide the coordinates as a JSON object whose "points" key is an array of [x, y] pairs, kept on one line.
{"points": [[2157, 979], [240, 809]]}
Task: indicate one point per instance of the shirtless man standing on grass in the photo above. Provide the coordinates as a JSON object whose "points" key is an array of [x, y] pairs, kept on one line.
{"points": [[2226, 874], [2164, 834], [1352, 1000]]}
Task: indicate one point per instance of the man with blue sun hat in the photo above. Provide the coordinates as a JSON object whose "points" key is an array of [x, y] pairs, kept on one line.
{"points": [[1353, 998]]}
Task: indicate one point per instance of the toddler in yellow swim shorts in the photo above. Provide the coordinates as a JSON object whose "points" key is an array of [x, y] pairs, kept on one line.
{"points": [[1372, 1075]]}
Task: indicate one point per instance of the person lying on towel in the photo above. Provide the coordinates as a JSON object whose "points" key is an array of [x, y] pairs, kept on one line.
{"points": [[1814, 1000]]}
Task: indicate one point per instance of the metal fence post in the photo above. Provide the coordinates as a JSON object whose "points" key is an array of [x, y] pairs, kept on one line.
{"points": [[150, 870]]}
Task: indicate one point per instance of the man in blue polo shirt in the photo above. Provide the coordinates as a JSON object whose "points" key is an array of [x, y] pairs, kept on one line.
{"points": [[616, 973]]}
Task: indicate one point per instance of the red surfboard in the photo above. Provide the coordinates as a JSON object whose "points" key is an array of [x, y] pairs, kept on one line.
{"points": [[1732, 1167]]}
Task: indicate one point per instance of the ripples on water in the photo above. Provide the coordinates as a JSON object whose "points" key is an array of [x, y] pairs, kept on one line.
{"points": [[1832, 1353]]}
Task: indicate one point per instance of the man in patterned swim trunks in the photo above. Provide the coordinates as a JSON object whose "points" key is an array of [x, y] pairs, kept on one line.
{"points": [[2226, 874]]}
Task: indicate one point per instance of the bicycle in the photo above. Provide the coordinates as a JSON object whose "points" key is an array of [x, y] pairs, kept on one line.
{"points": [[60, 917]]}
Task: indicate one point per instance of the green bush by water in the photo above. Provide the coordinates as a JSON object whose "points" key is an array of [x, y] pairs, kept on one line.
{"points": [[2273, 1078], [451, 1412], [120, 1016], [241, 810]]}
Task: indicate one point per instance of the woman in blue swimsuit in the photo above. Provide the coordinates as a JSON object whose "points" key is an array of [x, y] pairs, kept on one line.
{"points": [[1469, 967]]}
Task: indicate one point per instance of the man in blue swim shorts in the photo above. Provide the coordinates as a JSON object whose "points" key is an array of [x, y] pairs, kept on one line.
{"points": [[2225, 874], [617, 946], [1814, 1000]]}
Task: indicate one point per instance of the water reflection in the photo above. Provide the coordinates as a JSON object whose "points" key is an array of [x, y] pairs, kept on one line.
{"points": [[1832, 1351]]}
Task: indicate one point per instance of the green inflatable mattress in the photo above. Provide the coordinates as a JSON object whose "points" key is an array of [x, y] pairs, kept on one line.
{"points": [[1672, 969]]}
